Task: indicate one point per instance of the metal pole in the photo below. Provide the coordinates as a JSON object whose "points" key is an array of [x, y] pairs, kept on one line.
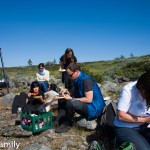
{"points": [[4, 70]]}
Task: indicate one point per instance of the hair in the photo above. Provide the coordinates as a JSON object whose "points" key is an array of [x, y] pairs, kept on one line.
{"points": [[41, 65], [143, 84], [74, 66], [67, 51], [33, 85]]}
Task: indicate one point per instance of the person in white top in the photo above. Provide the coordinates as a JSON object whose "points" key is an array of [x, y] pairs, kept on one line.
{"points": [[42, 76], [133, 113]]}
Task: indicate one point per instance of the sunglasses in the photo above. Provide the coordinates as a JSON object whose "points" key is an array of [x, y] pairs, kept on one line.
{"points": [[41, 68], [70, 75]]}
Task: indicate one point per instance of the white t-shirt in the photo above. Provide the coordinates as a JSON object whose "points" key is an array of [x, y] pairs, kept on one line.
{"points": [[132, 102]]}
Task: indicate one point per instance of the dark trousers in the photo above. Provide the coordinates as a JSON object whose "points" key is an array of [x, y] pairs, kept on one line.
{"points": [[140, 137], [67, 109], [67, 82]]}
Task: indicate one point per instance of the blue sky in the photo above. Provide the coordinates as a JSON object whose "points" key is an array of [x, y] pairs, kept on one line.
{"points": [[96, 30]]}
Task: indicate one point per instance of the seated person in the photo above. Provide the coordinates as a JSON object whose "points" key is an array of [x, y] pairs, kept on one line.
{"points": [[87, 98], [133, 113], [35, 97], [42, 76], [40, 101]]}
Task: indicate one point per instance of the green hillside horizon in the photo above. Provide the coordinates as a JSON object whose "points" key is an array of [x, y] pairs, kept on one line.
{"points": [[102, 70]]}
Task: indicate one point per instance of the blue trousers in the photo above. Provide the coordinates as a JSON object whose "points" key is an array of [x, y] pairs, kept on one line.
{"points": [[140, 136], [44, 86]]}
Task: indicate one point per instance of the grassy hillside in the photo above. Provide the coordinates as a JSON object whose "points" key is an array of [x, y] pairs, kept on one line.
{"points": [[101, 70], [29, 70]]}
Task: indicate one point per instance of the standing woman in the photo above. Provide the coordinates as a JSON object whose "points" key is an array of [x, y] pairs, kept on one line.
{"points": [[65, 60]]}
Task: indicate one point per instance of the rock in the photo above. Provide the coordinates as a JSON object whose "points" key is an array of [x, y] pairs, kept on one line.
{"points": [[37, 147], [3, 107], [107, 98], [95, 145], [14, 131], [42, 140], [90, 125], [7, 100]]}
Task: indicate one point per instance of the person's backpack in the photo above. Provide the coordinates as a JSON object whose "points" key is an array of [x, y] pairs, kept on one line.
{"points": [[55, 88], [19, 101], [108, 114], [105, 126]]}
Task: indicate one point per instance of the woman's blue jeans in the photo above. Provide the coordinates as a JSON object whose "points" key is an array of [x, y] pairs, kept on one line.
{"points": [[140, 136], [44, 86]]}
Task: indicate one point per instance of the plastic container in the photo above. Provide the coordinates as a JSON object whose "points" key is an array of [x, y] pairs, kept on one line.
{"points": [[36, 123]]}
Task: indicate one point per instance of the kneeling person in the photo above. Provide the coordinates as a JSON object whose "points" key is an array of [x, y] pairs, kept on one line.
{"points": [[87, 99]]}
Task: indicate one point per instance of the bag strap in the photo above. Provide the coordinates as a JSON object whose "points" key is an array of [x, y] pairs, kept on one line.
{"points": [[114, 107]]}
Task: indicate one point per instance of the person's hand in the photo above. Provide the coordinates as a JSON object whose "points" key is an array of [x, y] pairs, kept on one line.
{"points": [[29, 94], [64, 92], [147, 119], [44, 78], [67, 97], [35, 79]]}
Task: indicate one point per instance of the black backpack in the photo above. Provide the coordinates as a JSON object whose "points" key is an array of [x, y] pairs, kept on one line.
{"points": [[55, 88], [105, 126]]}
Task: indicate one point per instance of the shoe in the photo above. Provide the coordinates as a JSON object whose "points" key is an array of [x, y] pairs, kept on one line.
{"points": [[62, 128], [91, 125]]}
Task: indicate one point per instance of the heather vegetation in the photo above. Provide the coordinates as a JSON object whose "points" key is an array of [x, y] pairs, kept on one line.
{"points": [[130, 68]]}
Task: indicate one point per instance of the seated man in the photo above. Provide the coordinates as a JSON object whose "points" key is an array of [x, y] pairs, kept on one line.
{"points": [[87, 99], [42, 76]]}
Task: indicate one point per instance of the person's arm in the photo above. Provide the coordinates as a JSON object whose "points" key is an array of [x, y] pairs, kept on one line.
{"points": [[126, 117], [47, 75], [124, 104], [62, 65], [75, 59], [39, 77], [29, 94], [87, 99], [61, 62], [88, 92]]}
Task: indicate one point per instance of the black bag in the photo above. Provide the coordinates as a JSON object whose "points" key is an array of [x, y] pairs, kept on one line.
{"points": [[19, 101], [108, 114], [55, 88], [105, 126]]}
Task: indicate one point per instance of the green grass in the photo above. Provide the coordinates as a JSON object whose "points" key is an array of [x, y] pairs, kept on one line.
{"points": [[100, 70], [97, 67]]}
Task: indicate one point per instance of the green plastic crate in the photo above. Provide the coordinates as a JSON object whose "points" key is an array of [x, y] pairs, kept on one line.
{"points": [[36, 123]]}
